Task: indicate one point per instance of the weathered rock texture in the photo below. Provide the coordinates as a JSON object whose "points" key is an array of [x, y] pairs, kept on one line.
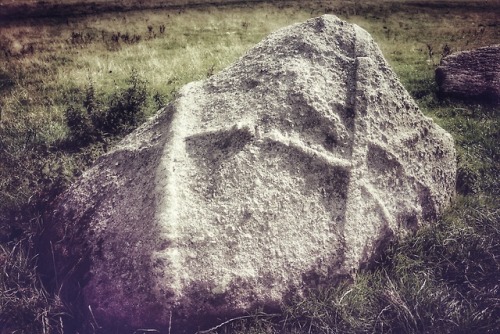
{"points": [[290, 167], [471, 74]]}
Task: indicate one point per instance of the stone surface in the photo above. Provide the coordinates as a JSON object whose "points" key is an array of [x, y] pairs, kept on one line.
{"points": [[471, 74], [290, 167]]}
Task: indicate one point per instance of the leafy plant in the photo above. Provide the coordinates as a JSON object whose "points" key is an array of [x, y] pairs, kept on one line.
{"points": [[126, 109], [79, 124], [124, 113]]}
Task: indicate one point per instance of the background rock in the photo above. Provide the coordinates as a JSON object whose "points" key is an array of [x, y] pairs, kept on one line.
{"points": [[471, 74], [291, 167]]}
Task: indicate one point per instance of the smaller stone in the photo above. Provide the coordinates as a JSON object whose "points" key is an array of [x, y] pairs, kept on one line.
{"points": [[471, 75]]}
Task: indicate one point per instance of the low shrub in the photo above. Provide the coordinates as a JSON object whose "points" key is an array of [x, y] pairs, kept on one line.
{"points": [[126, 108], [125, 111], [80, 124]]}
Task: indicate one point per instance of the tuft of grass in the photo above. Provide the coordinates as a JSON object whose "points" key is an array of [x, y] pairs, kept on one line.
{"points": [[25, 306], [125, 111], [476, 130]]}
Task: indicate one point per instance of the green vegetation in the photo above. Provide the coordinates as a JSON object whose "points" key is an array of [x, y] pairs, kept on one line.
{"points": [[72, 87], [124, 113]]}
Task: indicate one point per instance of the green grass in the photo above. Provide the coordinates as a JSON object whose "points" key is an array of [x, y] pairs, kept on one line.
{"points": [[443, 279]]}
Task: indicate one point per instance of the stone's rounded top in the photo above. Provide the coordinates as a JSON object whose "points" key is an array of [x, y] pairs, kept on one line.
{"points": [[291, 167]]}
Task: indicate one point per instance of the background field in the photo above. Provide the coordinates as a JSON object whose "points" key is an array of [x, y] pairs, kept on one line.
{"points": [[62, 80]]}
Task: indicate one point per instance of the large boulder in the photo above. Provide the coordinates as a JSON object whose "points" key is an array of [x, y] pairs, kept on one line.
{"points": [[471, 75], [291, 167]]}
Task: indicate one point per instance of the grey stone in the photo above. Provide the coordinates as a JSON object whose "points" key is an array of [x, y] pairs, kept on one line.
{"points": [[290, 168], [471, 75]]}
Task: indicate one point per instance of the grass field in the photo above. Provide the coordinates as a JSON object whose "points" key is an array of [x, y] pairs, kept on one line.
{"points": [[56, 71]]}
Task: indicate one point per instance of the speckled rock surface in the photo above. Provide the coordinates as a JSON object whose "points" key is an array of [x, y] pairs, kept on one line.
{"points": [[290, 167]]}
